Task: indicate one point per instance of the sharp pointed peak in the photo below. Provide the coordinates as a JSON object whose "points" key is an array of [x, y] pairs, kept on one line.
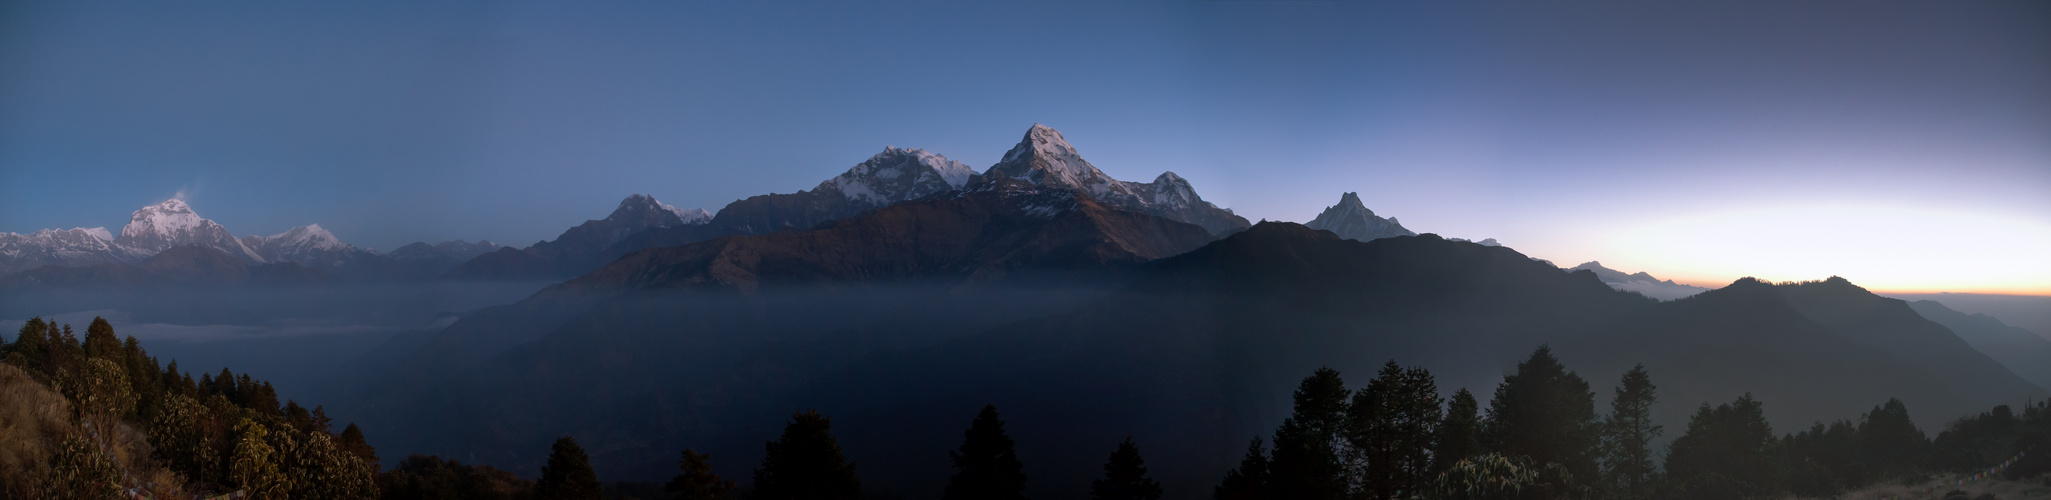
{"points": [[1351, 199]]}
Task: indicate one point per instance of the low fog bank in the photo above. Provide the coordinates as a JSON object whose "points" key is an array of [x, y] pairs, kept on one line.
{"points": [[310, 342]]}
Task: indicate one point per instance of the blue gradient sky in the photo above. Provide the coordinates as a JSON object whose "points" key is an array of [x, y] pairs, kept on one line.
{"points": [[1702, 141]]}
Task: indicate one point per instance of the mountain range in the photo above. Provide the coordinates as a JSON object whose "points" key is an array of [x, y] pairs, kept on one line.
{"points": [[910, 290], [1640, 282], [172, 224], [896, 175]]}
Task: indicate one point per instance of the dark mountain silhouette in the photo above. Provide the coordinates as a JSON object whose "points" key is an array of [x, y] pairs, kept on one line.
{"points": [[2028, 312], [2023, 352], [1640, 282], [899, 320], [577, 250]]}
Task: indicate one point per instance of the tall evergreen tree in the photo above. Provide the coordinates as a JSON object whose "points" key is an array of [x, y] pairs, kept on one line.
{"points": [[1250, 480], [1390, 427], [1306, 461], [1725, 454], [1125, 477], [568, 474], [986, 467], [697, 482], [352, 441], [1459, 435], [806, 464], [1627, 466], [30, 347], [100, 341], [1890, 441], [1546, 413]]}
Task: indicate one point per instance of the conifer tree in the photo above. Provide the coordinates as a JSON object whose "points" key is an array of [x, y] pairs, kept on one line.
{"points": [[1627, 466], [1250, 480], [986, 467], [352, 441], [806, 464], [1724, 454], [696, 481], [100, 341], [1546, 413], [1125, 477], [1391, 422], [1890, 442], [30, 346], [568, 474], [1459, 435], [1306, 462]]}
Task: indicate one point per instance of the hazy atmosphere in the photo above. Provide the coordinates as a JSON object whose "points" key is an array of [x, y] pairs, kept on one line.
{"points": [[1700, 142]]}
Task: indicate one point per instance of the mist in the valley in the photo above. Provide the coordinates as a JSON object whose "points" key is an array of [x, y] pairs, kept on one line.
{"points": [[310, 341]]}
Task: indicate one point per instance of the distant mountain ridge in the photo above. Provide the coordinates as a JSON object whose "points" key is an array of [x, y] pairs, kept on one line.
{"points": [[1639, 282], [172, 224]]}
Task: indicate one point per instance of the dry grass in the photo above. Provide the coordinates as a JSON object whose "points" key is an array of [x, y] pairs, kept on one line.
{"points": [[34, 419]]}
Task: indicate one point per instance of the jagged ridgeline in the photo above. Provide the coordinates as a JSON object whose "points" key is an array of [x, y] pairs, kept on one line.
{"points": [[98, 417]]}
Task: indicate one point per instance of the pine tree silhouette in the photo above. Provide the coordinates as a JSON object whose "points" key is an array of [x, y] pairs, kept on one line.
{"points": [[806, 464], [1305, 463], [986, 467], [568, 474], [1545, 413], [697, 482], [1627, 466], [1125, 477], [1459, 435]]}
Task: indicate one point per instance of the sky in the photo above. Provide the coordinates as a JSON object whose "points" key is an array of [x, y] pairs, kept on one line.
{"points": [[1903, 145]]}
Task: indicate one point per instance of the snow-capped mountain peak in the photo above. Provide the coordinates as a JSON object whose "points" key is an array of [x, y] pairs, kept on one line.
{"points": [[1045, 158], [171, 223], [1352, 220], [898, 174], [643, 211], [309, 237]]}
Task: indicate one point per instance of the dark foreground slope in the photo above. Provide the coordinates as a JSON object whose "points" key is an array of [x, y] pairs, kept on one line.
{"points": [[902, 323]]}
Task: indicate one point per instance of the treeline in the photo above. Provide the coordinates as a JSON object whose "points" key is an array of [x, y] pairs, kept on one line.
{"points": [[81, 412], [1540, 438], [213, 435]]}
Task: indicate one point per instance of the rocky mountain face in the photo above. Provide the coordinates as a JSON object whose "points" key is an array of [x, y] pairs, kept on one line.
{"points": [[1352, 220], [1640, 282], [1045, 158], [892, 176], [579, 249]]}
